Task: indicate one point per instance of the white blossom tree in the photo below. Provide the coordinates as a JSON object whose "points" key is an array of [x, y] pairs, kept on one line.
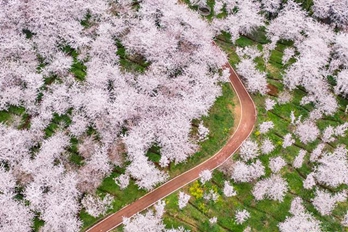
{"points": [[203, 132], [229, 190], [288, 53], [328, 133], [151, 221], [344, 222], [335, 10], [122, 181], [241, 216], [288, 140], [299, 159], [213, 220], [243, 172], [183, 199], [307, 131], [211, 195], [342, 83], [300, 221], [255, 80], [269, 104], [95, 206], [273, 188], [276, 164], [267, 146], [325, 202], [317, 152], [266, 126], [249, 150], [309, 182], [333, 168], [248, 15], [205, 176]]}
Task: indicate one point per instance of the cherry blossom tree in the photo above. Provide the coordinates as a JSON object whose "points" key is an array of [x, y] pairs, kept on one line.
{"points": [[288, 53], [340, 50], [276, 164], [183, 199], [122, 181], [202, 132], [249, 150], [243, 172], [307, 131], [309, 182], [205, 176], [247, 14], [325, 202], [218, 6], [317, 152], [95, 206], [14, 215], [273, 188], [327, 134], [299, 159], [342, 83], [266, 126], [300, 221], [213, 220], [151, 221], [255, 80], [229, 190], [289, 23], [333, 168], [344, 222], [288, 140], [211, 195], [248, 52], [271, 6], [284, 97], [241, 216], [267, 146], [335, 10], [96, 168], [341, 129], [269, 104]]}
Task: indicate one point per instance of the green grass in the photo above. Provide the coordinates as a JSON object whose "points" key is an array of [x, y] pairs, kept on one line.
{"points": [[129, 63], [58, 121], [13, 113]]}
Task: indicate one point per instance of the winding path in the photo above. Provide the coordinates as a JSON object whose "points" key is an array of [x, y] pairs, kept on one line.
{"points": [[244, 129]]}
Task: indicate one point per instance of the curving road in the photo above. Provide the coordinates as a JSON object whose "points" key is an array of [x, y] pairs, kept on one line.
{"points": [[244, 129]]}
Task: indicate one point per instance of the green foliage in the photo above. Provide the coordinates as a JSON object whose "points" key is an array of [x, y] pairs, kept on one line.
{"points": [[196, 190], [28, 33], [135, 63], [38, 223], [9, 116], [58, 121], [153, 153], [86, 21], [79, 70]]}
